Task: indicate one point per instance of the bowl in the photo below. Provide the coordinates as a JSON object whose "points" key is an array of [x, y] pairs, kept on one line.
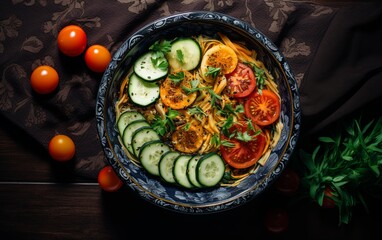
{"points": [[172, 196]]}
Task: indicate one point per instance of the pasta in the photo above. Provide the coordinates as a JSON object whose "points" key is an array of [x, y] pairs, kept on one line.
{"points": [[199, 125]]}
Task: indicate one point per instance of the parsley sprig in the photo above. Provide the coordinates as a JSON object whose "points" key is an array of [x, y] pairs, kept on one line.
{"points": [[349, 162], [259, 74], [160, 48], [164, 124]]}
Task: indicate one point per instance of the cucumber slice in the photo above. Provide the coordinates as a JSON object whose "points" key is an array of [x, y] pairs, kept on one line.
{"points": [[191, 170], [145, 67], [150, 155], [129, 130], [210, 170], [141, 92], [166, 166], [185, 54], [141, 136], [180, 171], [127, 117]]}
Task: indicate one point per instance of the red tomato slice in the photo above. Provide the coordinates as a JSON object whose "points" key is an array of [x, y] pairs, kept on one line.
{"points": [[264, 109], [243, 154], [241, 82]]}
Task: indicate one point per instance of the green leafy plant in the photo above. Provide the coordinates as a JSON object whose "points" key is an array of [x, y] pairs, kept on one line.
{"points": [[345, 166]]}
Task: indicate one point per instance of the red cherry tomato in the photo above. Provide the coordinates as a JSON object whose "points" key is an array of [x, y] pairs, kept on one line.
{"points": [[243, 154], [108, 179], [61, 148], [241, 82], [263, 108], [97, 58], [328, 202], [288, 183], [276, 220], [44, 79], [72, 40]]}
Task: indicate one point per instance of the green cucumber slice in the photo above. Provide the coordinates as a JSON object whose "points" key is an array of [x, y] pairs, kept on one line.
{"points": [[141, 92], [129, 131], [166, 166], [146, 67], [210, 170], [140, 137], [185, 54], [191, 170], [150, 155], [180, 171], [127, 117]]}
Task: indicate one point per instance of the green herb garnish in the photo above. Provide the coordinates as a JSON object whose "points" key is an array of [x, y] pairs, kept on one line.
{"points": [[349, 163]]}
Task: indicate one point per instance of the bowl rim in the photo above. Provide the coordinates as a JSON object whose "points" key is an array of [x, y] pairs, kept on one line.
{"points": [[212, 17]]}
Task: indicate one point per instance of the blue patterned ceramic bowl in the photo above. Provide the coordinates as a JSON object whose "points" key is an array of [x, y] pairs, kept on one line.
{"points": [[206, 200]]}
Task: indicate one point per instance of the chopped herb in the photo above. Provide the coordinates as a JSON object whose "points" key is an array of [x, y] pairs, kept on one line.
{"points": [[227, 143], [186, 126], [194, 87], [179, 56], [164, 124], [215, 140], [212, 71], [177, 77], [161, 46], [244, 136], [259, 74], [196, 110]]}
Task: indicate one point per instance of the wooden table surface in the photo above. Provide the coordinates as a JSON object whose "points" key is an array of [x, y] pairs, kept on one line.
{"points": [[41, 199]]}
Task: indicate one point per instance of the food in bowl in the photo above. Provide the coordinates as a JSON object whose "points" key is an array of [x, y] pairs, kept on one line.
{"points": [[163, 191], [198, 111]]}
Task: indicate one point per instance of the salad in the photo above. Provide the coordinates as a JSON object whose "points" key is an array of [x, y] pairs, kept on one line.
{"points": [[199, 111]]}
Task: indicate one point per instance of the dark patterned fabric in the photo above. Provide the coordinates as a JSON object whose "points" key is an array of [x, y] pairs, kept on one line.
{"points": [[334, 50]]}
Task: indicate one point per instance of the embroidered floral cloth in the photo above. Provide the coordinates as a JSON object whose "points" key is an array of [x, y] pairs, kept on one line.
{"points": [[334, 50]]}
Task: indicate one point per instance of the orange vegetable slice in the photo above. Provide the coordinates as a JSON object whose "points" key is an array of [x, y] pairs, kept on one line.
{"points": [[188, 139], [173, 94], [219, 56]]}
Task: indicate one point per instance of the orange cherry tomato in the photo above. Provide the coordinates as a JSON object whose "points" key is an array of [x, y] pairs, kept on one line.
{"points": [[97, 58], [108, 179], [263, 108], [44, 79], [72, 40], [243, 154], [61, 148]]}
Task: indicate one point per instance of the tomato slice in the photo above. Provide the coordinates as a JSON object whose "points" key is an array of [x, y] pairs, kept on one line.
{"points": [[243, 154], [241, 82], [262, 108]]}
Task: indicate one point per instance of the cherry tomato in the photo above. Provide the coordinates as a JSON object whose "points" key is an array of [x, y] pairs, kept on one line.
{"points": [[243, 154], [263, 108], [328, 202], [97, 58], [61, 148], [72, 40], [241, 82], [108, 179], [288, 183], [44, 79], [276, 220]]}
